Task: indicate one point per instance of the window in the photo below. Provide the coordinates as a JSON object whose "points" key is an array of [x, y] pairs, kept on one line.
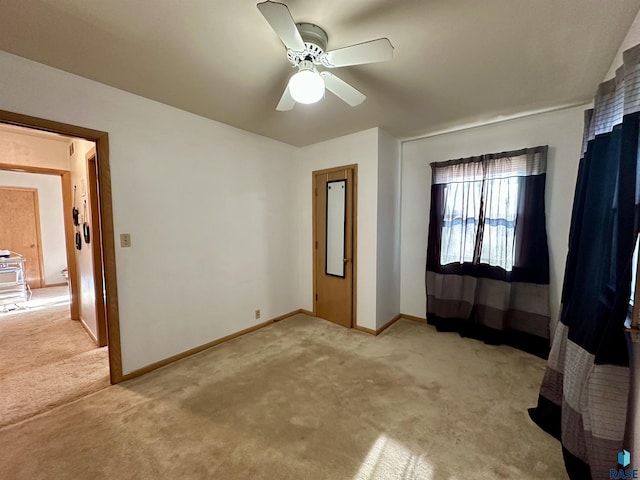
{"points": [[481, 198], [466, 203]]}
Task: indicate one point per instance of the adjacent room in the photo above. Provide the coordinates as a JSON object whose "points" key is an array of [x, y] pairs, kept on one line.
{"points": [[49, 322], [343, 240]]}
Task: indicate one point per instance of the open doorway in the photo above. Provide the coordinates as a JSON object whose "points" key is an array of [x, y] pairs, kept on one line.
{"points": [[84, 290]]}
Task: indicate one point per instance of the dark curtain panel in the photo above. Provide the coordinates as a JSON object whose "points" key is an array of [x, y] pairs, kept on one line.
{"points": [[487, 273], [584, 395]]}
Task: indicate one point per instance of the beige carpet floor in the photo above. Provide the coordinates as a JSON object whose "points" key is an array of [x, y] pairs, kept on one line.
{"points": [[46, 359], [304, 399]]}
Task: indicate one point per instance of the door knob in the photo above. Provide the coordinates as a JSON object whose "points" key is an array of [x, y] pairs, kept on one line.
{"points": [[33, 246], [345, 260]]}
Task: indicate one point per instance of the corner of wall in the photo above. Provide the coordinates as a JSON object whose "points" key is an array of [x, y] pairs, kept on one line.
{"points": [[632, 38], [388, 229]]}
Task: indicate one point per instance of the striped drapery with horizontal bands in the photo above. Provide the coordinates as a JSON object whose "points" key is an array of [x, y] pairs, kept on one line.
{"points": [[583, 398], [487, 272]]}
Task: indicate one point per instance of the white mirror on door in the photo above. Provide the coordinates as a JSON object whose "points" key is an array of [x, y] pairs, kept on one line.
{"points": [[336, 210]]}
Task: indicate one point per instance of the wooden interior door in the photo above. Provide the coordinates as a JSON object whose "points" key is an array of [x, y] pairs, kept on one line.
{"points": [[20, 230], [334, 234]]}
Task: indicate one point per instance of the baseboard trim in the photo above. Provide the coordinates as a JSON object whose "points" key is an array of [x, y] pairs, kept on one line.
{"points": [[413, 318], [365, 330], [287, 315], [379, 330], [388, 324], [86, 327], [163, 363], [193, 351]]}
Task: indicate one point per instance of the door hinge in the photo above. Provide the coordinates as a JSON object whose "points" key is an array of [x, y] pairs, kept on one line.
{"points": [[316, 190], [316, 244], [316, 297]]}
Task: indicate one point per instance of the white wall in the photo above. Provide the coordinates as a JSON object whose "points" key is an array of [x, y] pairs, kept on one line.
{"points": [[388, 255], [84, 256], [561, 130], [54, 253], [208, 208], [362, 149]]}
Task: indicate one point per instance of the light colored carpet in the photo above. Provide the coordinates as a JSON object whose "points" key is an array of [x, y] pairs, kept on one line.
{"points": [[46, 360], [304, 399]]}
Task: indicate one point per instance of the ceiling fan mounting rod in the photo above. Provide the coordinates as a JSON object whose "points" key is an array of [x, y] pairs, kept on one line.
{"points": [[314, 34]]}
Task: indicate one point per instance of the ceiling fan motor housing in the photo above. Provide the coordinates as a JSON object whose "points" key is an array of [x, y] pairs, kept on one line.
{"points": [[315, 41]]}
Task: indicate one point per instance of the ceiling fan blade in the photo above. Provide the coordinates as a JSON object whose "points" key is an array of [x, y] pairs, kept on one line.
{"points": [[342, 89], [368, 52], [286, 102], [280, 19]]}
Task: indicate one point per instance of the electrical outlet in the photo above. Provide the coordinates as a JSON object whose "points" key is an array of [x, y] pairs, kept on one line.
{"points": [[258, 314], [125, 240]]}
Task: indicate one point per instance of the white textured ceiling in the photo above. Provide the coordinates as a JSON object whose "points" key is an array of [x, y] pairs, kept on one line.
{"points": [[454, 62]]}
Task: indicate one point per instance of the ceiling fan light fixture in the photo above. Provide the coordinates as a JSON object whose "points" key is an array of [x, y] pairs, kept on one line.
{"points": [[306, 86]]}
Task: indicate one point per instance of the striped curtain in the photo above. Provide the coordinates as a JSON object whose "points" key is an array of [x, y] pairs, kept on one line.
{"points": [[583, 398], [487, 272]]}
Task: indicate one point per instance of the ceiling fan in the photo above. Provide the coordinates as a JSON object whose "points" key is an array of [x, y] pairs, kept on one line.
{"points": [[307, 48]]}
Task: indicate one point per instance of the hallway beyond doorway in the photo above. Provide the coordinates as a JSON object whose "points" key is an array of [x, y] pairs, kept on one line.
{"points": [[46, 359]]}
